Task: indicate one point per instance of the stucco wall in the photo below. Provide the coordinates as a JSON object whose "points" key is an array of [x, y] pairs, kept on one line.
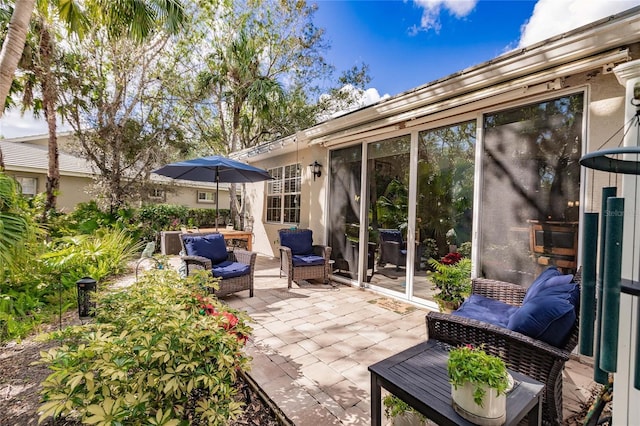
{"points": [[312, 199]]}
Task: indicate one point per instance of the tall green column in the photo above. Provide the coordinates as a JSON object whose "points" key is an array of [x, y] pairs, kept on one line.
{"points": [[611, 281], [636, 378], [599, 375], [588, 293]]}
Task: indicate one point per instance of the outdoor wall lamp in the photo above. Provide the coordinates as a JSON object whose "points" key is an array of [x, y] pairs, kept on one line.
{"points": [[315, 169]]}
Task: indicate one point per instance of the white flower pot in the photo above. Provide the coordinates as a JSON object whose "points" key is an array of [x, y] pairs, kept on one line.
{"points": [[493, 411]]}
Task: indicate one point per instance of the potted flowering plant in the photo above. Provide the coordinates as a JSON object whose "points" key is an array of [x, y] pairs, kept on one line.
{"points": [[452, 276], [479, 383], [400, 413]]}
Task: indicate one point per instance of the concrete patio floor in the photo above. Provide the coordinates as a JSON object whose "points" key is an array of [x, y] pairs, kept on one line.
{"points": [[312, 345]]}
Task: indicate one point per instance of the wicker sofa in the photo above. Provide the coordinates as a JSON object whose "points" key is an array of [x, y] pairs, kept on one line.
{"points": [[236, 269], [300, 259], [532, 357]]}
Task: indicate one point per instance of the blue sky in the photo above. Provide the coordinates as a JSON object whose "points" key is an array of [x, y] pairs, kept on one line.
{"points": [[382, 34], [409, 43]]}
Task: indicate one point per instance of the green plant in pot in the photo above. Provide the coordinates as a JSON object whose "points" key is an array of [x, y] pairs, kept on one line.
{"points": [[400, 413], [452, 277], [479, 383]]}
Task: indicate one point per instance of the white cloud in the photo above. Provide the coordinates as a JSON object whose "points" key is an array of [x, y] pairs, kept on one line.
{"points": [[432, 9], [553, 17], [15, 125], [355, 99]]}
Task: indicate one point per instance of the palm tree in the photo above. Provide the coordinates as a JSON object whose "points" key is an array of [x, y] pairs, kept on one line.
{"points": [[12, 50], [15, 226], [235, 80], [128, 18]]}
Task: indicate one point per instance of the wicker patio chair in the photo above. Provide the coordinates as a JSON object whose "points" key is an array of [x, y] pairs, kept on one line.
{"points": [[392, 248], [235, 258], [300, 259], [532, 357]]}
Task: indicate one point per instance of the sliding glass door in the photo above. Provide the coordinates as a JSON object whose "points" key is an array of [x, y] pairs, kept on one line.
{"points": [[388, 212], [446, 159], [531, 189], [344, 209]]}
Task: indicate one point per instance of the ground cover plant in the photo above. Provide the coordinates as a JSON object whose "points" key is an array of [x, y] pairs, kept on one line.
{"points": [[160, 352]]}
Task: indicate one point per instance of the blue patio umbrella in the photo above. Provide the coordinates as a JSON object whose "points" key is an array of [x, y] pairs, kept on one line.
{"points": [[214, 169]]}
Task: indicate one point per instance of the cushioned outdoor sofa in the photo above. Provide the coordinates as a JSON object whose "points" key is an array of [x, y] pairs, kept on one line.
{"points": [[533, 330], [209, 251]]}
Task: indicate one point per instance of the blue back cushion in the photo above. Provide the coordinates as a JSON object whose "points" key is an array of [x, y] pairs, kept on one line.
{"points": [[300, 242], [540, 281], [390, 235], [211, 246], [546, 318]]}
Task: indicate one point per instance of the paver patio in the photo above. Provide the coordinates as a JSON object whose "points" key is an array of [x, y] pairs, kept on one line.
{"points": [[312, 345]]}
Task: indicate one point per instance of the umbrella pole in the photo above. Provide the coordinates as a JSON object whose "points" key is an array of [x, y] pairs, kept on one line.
{"points": [[217, 180]]}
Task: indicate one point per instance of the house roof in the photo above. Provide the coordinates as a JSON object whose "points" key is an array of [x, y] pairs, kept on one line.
{"points": [[33, 158], [26, 157], [522, 72]]}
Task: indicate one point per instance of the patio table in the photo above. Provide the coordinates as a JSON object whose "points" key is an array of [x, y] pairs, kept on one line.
{"points": [[419, 377]]}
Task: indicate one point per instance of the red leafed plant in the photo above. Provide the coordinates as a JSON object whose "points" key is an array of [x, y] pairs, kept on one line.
{"points": [[451, 258]]}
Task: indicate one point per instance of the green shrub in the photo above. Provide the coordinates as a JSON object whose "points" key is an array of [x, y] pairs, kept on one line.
{"points": [[42, 283], [159, 352]]}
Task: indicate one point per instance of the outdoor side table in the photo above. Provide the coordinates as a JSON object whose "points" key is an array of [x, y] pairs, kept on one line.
{"points": [[419, 377]]}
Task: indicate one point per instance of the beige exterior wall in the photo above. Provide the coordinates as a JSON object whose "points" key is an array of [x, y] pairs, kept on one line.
{"points": [[75, 190], [312, 199], [188, 196]]}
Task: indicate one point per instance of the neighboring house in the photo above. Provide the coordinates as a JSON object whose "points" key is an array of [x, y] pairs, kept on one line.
{"points": [[26, 159], [487, 156]]}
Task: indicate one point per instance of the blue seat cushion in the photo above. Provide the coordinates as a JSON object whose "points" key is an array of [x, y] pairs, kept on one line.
{"points": [[485, 309], [546, 318], [211, 246], [307, 260], [300, 242], [228, 269]]}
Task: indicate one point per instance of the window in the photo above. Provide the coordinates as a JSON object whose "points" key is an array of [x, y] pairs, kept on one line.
{"points": [[29, 185], [157, 194], [283, 194], [206, 197]]}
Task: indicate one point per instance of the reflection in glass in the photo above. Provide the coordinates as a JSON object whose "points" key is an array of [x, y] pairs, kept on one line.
{"points": [[531, 153], [444, 195], [388, 183], [344, 209]]}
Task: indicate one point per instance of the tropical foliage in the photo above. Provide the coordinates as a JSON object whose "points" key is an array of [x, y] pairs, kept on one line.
{"points": [[452, 277], [16, 226], [170, 355]]}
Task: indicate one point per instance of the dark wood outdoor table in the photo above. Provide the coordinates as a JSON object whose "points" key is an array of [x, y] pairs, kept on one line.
{"points": [[419, 377]]}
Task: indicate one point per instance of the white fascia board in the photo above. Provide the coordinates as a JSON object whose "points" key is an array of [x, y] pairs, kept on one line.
{"points": [[576, 45], [39, 171], [267, 150]]}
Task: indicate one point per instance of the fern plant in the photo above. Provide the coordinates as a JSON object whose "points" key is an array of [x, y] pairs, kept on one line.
{"points": [[453, 282]]}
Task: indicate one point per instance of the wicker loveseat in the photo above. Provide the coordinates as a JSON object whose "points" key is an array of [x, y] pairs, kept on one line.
{"points": [[530, 356], [300, 259], [209, 252]]}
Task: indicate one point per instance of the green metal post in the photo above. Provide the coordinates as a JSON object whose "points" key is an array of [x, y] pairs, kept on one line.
{"points": [[636, 378], [599, 375], [588, 294], [611, 281]]}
